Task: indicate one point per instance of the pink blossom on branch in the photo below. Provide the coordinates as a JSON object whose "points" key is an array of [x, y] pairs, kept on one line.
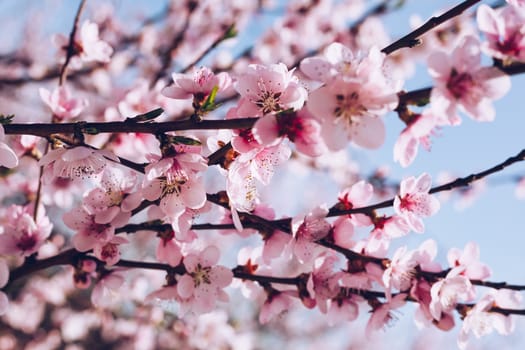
{"points": [[88, 46], [414, 203], [61, 102], [268, 89], [203, 282], [198, 84], [462, 83], [77, 163]]}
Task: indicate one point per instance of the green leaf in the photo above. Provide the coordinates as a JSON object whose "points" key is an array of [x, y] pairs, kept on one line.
{"points": [[146, 116], [6, 119], [183, 140], [209, 104]]}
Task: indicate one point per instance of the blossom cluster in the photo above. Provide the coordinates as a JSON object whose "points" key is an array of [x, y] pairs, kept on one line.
{"points": [[145, 206]]}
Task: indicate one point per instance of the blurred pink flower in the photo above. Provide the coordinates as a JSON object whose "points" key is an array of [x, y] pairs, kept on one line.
{"points": [[62, 103], [461, 82], [22, 235], [504, 29]]}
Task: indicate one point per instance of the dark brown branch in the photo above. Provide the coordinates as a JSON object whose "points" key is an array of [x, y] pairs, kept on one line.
{"points": [[71, 49], [412, 38]]}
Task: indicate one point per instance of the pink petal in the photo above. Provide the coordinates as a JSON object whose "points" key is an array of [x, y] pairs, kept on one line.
{"points": [[369, 132], [210, 256], [185, 286]]}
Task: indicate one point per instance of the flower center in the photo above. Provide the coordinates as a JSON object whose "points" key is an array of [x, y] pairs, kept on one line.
{"points": [[349, 106], [269, 102], [459, 84], [26, 242], [201, 275]]}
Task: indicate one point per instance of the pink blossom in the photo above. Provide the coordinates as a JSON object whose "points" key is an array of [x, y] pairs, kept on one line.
{"points": [[303, 130], [168, 250], [382, 314], [480, 321], [414, 202], [89, 234], [4, 278], [356, 196], [114, 199], [198, 84], [257, 164], [75, 163], [62, 103], [109, 252], [350, 110], [385, 228], [461, 82], [176, 181], [8, 157], [108, 290], [469, 260], [307, 230], [203, 282], [504, 30], [417, 132], [21, 233], [268, 89], [342, 309], [400, 271], [323, 283], [276, 304], [447, 292], [88, 45]]}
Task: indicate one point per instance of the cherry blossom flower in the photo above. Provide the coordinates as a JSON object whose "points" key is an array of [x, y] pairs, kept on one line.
{"points": [[89, 234], [257, 164], [303, 130], [75, 163], [268, 89], [4, 278], [382, 314], [168, 250], [461, 82], [448, 291], [276, 304], [109, 252], [504, 30], [62, 103], [480, 321], [89, 47], [323, 283], [307, 230], [385, 229], [21, 233], [108, 290], [469, 260], [8, 157], [356, 196], [349, 110], [198, 84], [203, 282], [414, 202], [417, 132], [114, 198], [176, 181], [400, 271]]}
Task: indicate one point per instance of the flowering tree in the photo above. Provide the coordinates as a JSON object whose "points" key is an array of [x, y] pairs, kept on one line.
{"points": [[139, 205]]}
